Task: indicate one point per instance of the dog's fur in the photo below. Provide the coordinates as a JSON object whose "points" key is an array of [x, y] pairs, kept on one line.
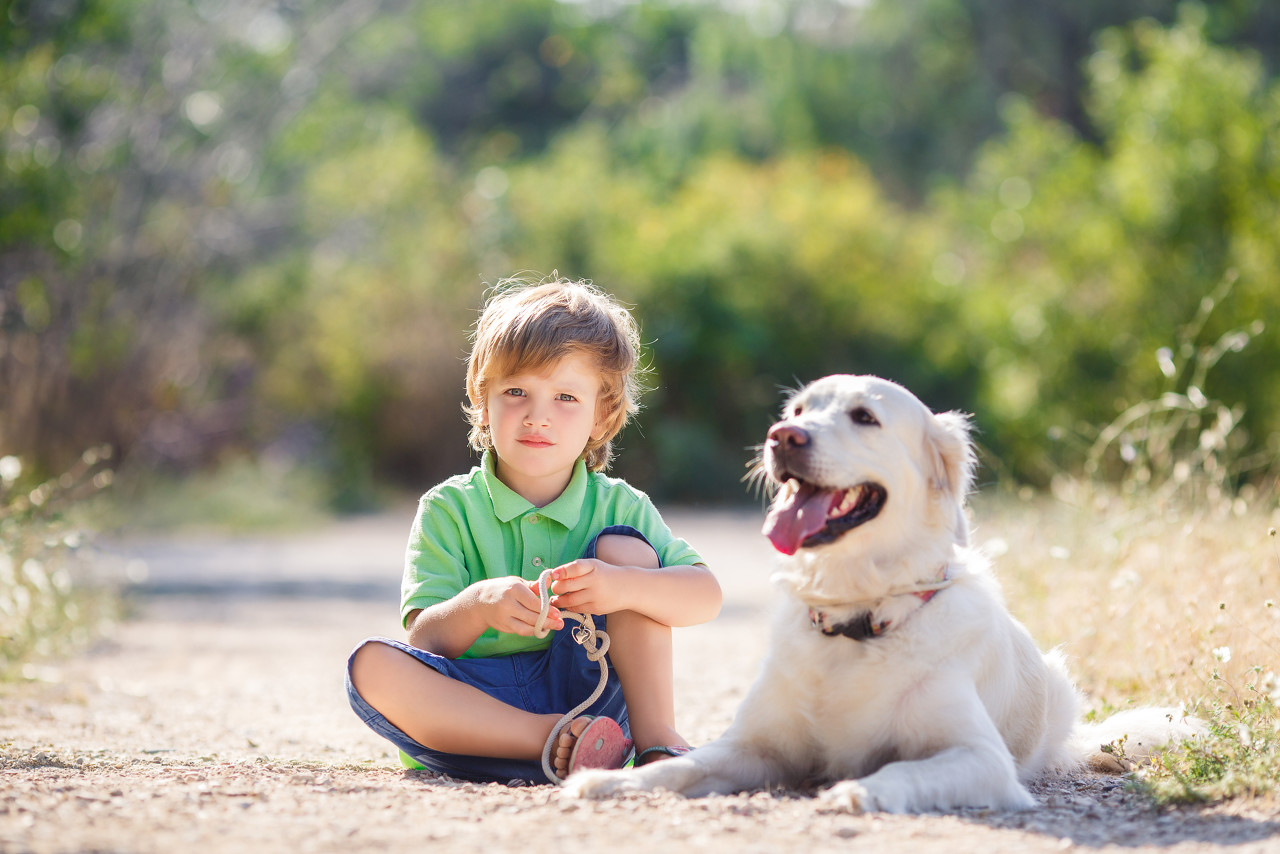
{"points": [[950, 705]]}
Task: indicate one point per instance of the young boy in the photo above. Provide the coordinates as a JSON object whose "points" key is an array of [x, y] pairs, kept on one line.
{"points": [[474, 694]]}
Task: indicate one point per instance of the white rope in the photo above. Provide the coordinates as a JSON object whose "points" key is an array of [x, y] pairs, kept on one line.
{"points": [[934, 586], [596, 644], [814, 598]]}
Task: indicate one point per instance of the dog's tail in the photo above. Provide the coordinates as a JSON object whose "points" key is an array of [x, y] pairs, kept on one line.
{"points": [[1128, 738]]}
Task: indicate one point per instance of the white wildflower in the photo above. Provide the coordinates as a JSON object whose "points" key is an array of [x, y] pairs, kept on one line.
{"points": [[1222, 653], [1125, 578], [10, 469], [1271, 686]]}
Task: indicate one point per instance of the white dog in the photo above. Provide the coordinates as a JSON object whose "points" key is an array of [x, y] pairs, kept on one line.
{"points": [[895, 670]]}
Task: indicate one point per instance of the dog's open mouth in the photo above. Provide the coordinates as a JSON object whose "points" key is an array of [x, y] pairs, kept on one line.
{"points": [[804, 515]]}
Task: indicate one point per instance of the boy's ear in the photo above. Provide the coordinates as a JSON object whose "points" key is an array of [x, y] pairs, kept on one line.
{"points": [[602, 424]]}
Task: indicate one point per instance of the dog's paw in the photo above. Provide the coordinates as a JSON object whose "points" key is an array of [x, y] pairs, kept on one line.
{"points": [[848, 796], [1107, 762], [597, 784]]}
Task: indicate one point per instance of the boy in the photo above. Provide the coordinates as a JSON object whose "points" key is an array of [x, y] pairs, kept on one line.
{"points": [[474, 693]]}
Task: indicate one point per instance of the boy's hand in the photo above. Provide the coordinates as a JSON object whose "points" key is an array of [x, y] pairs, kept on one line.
{"points": [[589, 586], [511, 604]]}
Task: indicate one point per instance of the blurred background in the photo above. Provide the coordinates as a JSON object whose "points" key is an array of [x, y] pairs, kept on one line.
{"points": [[244, 241]]}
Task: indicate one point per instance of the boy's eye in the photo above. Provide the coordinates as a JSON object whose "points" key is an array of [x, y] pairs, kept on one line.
{"points": [[515, 392], [565, 396]]}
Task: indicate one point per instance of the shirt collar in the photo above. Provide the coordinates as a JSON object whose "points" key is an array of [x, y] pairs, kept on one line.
{"points": [[508, 505]]}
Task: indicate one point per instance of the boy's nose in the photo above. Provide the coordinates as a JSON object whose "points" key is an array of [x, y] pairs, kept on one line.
{"points": [[536, 415]]}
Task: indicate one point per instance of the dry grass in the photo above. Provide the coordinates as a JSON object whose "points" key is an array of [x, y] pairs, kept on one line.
{"points": [[1157, 605]]}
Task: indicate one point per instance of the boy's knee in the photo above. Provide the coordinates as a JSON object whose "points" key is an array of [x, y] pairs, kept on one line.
{"points": [[373, 665], [634, 621], [625, 550]]}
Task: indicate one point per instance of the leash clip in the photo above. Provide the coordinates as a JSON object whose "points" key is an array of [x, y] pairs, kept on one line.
{"points": [[816, 620]]}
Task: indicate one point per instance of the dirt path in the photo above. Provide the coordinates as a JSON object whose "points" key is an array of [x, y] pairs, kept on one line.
{"points": [[216, 722]]}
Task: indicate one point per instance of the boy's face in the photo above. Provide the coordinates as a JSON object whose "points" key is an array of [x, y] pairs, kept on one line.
{"points": [[540, 424]]}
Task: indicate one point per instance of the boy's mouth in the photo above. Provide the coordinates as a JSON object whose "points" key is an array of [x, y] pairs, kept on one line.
{"points": [[535, 441]]}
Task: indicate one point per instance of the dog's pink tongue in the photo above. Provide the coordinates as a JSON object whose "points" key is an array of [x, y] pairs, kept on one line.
{"points": [[796, 516]]}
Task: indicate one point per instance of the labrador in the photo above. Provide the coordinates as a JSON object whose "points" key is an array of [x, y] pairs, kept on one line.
{"points": [[896, 677]]}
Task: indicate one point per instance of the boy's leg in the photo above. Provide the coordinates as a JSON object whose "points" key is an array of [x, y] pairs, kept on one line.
{"points": [[641, 652], [441, 713]]}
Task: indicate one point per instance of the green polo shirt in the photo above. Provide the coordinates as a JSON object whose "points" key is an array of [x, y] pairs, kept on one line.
{"points": [[472, 527]]}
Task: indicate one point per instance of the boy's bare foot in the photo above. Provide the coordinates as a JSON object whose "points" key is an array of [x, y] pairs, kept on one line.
{"points": [[590, 742]]}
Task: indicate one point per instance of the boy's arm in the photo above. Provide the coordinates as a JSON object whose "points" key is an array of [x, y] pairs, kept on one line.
{"points": [[508, 604], [672, 595]]}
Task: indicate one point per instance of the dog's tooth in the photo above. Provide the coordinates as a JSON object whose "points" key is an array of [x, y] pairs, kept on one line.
{"points": [[851, 499], [846, 504]]}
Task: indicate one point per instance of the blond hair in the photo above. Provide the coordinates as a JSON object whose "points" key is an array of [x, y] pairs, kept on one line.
{"points": [[527, 328]]}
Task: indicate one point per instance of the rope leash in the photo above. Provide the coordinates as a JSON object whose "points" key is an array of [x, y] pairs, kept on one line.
{"points": [[596, 644]]}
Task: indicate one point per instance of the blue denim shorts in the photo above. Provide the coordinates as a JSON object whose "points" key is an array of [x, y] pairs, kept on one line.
{"points": [[550, 681]]}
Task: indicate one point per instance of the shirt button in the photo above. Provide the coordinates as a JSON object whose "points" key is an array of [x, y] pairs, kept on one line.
{"points": [[533, 520], [537, 561]]}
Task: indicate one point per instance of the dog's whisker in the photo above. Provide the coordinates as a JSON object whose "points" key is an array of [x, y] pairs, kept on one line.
{"points": [[757, 476]]}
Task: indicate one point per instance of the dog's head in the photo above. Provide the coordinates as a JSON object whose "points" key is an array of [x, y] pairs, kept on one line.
{"points": [[861, 458]]}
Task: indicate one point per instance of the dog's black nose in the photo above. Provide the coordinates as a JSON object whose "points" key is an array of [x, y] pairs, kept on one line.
{"points": [[787, 436]]}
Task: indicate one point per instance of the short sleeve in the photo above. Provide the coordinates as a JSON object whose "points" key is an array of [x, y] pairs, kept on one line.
{"points": [[672, 551], [434, 570]]}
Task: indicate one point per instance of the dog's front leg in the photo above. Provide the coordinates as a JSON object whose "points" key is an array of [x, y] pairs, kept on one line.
{"points": [[960, 760], [722, 767], [971, 776]]}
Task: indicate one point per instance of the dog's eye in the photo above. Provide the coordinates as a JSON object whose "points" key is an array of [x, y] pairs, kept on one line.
{"points": [[863, 416]]}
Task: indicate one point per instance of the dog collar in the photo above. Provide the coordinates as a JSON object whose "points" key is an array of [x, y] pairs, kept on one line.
{"points": [[859, 628], [863, 626]]}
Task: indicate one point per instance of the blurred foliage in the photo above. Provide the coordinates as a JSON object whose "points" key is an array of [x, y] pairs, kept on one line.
{"points": [[263, 227], [47, 603], [239, 496], [1091, 260]]}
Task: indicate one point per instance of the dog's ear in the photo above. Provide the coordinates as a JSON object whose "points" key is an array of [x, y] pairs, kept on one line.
{"points": [[950, 453]]}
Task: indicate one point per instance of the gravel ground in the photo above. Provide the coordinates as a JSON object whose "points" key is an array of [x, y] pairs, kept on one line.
{"points": [[215, 720]]}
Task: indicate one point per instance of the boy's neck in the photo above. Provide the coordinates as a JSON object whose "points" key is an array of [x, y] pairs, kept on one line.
{"points": [[539, 491]]}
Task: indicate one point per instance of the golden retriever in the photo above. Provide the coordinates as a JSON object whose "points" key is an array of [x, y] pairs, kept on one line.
{"points": [[895, 673]]}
